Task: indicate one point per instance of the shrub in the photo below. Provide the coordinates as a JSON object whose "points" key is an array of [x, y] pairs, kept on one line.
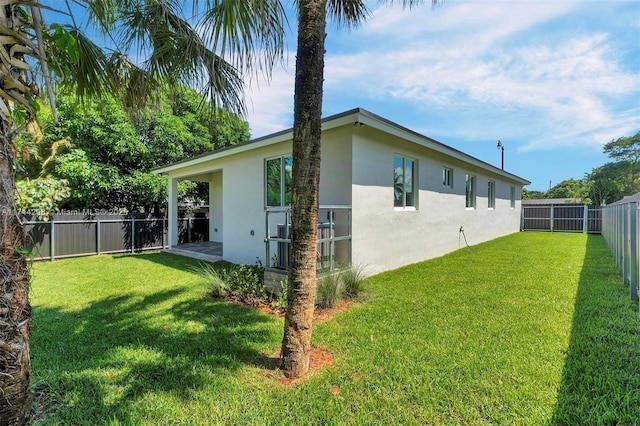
{"points": [[247, 282], [353, 279], [329, 291], [280, 296], [213, 278]]}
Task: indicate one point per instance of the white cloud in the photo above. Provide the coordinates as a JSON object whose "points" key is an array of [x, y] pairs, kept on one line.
{"points": [[492, 57], [270, 103], [544, 74]]}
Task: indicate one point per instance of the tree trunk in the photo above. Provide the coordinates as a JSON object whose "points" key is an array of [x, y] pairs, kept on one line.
{"points": [[296, 343], [15, 310]]}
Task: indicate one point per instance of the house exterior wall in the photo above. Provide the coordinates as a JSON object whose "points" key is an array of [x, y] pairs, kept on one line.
{"points": [[336, 167], [237, 198], [385, 237], [357, 164]]}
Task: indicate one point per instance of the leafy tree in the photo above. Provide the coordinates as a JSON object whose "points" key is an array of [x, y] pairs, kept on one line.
{"points": [[182, 126], [626, 152], [533, 194], [573, 189], [307, 112], [41, 195], [106, 156], [173, 52], [605, 183]]}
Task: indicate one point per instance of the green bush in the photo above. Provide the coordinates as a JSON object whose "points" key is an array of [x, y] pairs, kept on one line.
{"points": [[213, 278], [280, 296], [353, 279], [329, 291], [247, 283]]}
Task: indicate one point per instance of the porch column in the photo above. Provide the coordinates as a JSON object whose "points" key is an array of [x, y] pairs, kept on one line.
{"points": [[215, 207], [173, 211]]}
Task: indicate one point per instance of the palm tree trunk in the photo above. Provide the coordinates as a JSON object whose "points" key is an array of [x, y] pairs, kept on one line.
{"points": [[15, 310], [296, 343]]}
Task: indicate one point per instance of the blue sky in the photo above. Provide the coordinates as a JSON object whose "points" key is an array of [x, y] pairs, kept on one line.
{"points": [[553, 80]]}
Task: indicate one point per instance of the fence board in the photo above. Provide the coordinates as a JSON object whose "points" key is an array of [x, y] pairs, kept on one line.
{"points": [[561, 218], [620, 229], [81, 234]]}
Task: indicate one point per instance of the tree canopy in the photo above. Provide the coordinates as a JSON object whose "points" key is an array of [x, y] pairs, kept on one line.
{"points": [[605, 184], [97, 157]]}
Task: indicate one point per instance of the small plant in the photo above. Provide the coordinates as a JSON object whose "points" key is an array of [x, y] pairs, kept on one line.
{"points": [[247, 283], [329, 291], [352, 279], [280, 296], [213, 278]]}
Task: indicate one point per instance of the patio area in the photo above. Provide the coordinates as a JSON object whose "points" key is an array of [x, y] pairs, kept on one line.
{"points": [[209, 251]]}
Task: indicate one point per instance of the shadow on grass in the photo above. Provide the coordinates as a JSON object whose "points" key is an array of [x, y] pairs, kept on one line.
{"points": [[168, 259], [95, 363], [601, 376]]}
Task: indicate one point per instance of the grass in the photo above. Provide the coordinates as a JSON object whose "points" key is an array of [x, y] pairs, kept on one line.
{"points": [[527, 329]]}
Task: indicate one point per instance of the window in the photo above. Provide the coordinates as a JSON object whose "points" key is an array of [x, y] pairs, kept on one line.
{"points": [[513, 197], [447, 177], [404, 194], [491, 194], [470, 191], [278, 174]]}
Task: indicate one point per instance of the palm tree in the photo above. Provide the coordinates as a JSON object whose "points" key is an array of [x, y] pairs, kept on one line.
{"points": [[175, 53], [312, 16]]}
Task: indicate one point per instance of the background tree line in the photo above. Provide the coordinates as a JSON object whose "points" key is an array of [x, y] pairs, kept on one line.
{"points": [[605, 184], [100, 157]]}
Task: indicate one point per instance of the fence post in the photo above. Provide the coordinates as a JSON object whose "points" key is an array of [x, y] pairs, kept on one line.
{"points": [[97, 235], [585, 219], [551, 223], [626, 235], [633, 250], [133, 234], [162, 233], [189, 229], [52, 240]]}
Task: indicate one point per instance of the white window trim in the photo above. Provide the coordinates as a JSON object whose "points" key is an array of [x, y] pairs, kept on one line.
{"points": [[416, 186], [281, 157], [491, 199], [450, 169], [475, 189]]}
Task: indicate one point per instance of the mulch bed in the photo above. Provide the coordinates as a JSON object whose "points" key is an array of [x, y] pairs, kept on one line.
{"points": [[318, 358]]}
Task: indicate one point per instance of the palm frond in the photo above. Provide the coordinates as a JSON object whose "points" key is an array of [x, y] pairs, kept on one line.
{"points": [[169, 49], [348, 13], [249, 33], [90, 74]]}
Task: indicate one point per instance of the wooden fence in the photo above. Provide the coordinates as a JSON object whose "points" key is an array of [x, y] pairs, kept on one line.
{"points": [[620, 228], [562, 218], [69, 235]]}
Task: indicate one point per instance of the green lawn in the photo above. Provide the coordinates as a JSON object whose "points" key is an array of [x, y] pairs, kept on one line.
{"points": [[534, 328]]}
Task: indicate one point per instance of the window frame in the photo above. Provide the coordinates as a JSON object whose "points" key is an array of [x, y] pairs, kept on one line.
{"points": [[414, 187], [491, 195], [470, 191], [284, 187], [447, 177], [512, 197]]}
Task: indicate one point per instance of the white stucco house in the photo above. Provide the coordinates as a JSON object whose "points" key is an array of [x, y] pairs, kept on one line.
{"points": [[389, 196]]}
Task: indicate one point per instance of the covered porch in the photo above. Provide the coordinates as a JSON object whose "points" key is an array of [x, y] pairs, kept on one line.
{"points": [[213, 246], [210, 251]]}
